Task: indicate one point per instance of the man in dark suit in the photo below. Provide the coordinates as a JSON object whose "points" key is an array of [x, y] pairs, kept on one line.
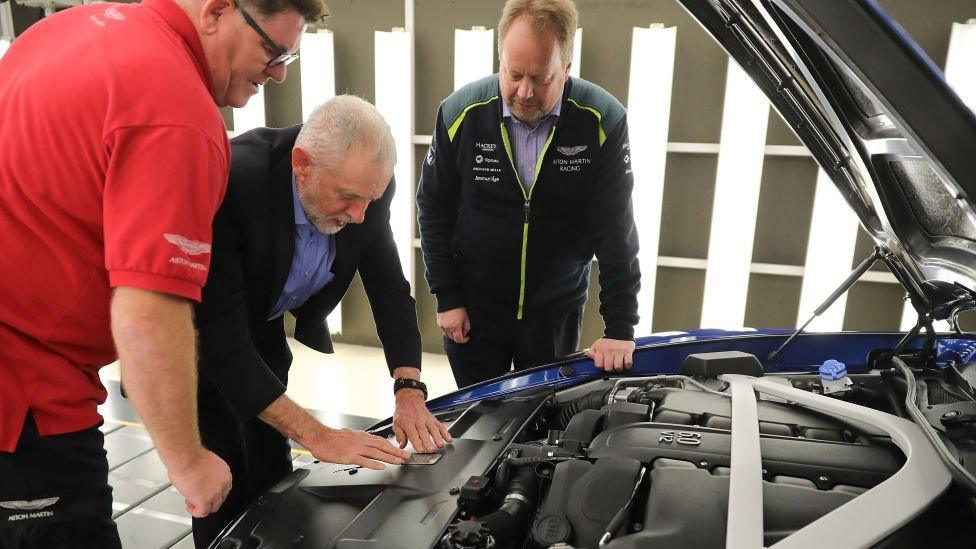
{"points": [[292, 232]]}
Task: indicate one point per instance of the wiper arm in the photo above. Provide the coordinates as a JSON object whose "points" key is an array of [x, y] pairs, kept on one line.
{"points": [[869, 262]]}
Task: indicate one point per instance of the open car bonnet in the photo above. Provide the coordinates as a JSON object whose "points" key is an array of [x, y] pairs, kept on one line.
{"points": [[880, 119]]}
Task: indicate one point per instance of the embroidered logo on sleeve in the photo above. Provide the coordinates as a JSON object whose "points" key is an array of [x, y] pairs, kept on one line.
{"points": [[30, 509], [188, 246], [115, 14], [32, 505]]}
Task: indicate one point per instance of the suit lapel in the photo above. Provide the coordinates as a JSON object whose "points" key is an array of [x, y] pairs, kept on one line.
{"points": [[283, 221]]}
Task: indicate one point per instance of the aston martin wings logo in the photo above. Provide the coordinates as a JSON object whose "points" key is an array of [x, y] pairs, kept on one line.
{"points": [[571, 151], [190, 247], [32, 505]]}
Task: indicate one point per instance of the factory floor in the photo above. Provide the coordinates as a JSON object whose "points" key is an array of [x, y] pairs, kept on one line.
{"points": [[350, 388]]}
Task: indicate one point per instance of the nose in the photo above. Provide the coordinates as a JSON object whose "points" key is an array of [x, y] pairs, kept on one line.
{"points": [[277, 72], [525, 89], [357, 211]]}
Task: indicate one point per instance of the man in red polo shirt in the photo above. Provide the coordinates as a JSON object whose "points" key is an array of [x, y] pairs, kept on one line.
{"points": [[114, 159]]}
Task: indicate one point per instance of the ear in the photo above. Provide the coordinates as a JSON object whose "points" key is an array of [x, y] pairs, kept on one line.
{"points": [[212, 12], [301, 163]]}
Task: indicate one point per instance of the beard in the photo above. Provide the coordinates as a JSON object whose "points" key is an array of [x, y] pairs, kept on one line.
{"points": [[325, 224], [530, 115]]}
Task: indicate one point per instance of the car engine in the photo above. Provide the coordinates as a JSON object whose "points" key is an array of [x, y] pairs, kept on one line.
{"points": [[646, 463]]}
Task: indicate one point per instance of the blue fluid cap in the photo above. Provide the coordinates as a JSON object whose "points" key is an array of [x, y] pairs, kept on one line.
{"points": [[832, 370]]}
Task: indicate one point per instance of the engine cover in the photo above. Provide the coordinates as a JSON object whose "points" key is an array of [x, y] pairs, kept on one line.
{"points": [[824, 463]]}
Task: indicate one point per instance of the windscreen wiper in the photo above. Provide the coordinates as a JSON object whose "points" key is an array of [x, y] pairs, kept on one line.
{"points": [[879, 253]]}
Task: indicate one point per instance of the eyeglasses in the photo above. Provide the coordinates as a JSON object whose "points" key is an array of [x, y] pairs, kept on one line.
{"points": [[280, 55]]}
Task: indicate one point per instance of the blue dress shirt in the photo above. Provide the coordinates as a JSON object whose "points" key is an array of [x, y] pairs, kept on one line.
{"points": [[311, 267]]}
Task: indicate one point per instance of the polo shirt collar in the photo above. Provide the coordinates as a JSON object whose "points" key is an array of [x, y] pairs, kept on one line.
{"points": [[179, 21]]}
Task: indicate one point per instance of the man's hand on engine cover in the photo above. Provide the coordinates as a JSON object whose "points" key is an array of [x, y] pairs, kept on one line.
{"points": [[413, 422]]}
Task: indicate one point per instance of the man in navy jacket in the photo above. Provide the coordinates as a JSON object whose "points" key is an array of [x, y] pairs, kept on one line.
{"points": [[528, 177]]}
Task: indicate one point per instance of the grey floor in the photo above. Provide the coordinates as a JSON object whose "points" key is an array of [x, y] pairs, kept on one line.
{"points": [[355, 380], [149, 512]]}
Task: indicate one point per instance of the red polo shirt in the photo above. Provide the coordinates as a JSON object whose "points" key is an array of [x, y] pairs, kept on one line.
{"points": [[113, 161]]}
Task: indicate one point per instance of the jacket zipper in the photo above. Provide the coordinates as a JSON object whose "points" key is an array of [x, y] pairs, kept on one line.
{"points": [[527, 207]]}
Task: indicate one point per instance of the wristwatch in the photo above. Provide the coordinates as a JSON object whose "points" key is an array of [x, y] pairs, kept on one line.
{"points": [[404, 383]]}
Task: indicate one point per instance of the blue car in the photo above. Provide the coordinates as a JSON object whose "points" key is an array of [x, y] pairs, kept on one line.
{"points": [[728, 439]]}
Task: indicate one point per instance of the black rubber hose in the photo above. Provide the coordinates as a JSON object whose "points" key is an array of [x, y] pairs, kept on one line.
{"points": [[958, 472], [501, 476], [590, 401], [510, 520], [897, 405]]}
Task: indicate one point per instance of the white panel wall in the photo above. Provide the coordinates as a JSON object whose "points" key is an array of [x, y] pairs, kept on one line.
{"points": [[574, 70], [648, 114], [395, 102], [318, 69], [474, 55], [960, 67], [740, 161], [830, 252]]}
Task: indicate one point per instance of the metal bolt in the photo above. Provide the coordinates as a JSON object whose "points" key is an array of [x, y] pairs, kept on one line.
{"points": [[765, 472], [496, 437], [455, 491], [823, 478], [703, 463], [638, 527]]}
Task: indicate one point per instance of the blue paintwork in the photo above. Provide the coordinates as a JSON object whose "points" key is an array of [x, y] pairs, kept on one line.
{"points": [[663, 354]]}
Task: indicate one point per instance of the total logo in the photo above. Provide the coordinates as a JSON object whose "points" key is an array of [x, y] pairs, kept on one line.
{"points": [[479, 159]]}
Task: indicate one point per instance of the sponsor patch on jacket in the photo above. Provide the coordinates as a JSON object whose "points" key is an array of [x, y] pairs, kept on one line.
{"points": [[571, 151]]}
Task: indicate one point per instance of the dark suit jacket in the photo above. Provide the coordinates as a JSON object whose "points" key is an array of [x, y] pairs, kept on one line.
{"points": [[243, 354]]}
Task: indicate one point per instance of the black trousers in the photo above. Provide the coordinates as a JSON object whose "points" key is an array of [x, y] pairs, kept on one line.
{"points": [[54, 492], [257, 454], [496, 342]]}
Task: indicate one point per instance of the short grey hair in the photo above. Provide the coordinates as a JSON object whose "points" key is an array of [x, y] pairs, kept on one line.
{"points": [[341, 123]]}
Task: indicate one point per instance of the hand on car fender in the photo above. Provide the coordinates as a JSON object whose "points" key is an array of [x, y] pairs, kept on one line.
{"points": [[612, 355], [413, 423], [455, 324], [354, 447], [204, 485]]}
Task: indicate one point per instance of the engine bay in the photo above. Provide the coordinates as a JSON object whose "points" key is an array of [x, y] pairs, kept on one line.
{"points": [[646, 463], [641, 462]]}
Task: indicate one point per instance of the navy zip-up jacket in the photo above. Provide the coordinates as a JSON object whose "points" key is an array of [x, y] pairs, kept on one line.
{"points": [[490, 244]]}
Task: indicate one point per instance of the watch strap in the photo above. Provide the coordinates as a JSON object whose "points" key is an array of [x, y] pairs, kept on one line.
{"points": [[404, 383]]}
